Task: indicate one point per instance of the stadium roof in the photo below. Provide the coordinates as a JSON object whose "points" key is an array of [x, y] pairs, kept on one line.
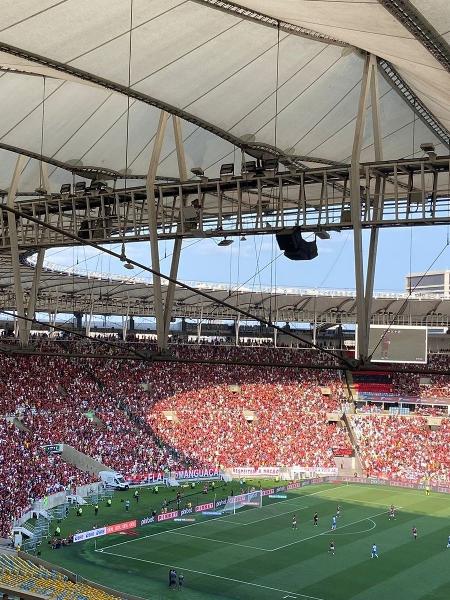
{"points": [[236, 78], [69, 291]]}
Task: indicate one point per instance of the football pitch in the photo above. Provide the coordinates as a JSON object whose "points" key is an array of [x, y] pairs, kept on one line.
{"points": [[257, 554]]}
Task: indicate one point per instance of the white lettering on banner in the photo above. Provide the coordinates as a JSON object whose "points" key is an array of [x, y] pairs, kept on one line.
{"points": [[202, 507], [186, 511], [167, 516], [185, 475], [147, 521], [252, 472], [267, 492], [87, 535]]}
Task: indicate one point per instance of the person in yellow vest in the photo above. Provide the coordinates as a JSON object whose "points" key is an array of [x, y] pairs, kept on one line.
{"points": [[57, 531], [427, 490], [108, 502], [79, 511], [96, 509]]}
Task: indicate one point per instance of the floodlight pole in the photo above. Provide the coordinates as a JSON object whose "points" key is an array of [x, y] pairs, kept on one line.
{"points": [[153, 226], [182, 170], [18, 289]]}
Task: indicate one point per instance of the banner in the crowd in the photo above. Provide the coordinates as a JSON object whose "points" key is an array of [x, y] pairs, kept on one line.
{"points": [[390, 398], [342, 451], [443, 487], [255, 472], [184, 475], [316, 471]]}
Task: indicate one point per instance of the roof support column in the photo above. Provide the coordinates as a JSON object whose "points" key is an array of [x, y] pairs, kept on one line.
{"points": [[182, 170], [18, 290], [377, 204], [31, 309], [153, 228], [355, 192]]}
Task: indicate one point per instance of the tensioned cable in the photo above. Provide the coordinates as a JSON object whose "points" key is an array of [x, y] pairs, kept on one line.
{"points": [[181, 284]]}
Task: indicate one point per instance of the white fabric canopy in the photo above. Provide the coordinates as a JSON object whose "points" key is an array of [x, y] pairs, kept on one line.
{"points": [[233, 78]]}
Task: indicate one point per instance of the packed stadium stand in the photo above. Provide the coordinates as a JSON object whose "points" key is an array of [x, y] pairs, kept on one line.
{"points": [[220, 415], [403, 447]]}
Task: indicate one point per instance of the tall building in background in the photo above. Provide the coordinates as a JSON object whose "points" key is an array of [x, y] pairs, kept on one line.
{"points": [[434, 282]]}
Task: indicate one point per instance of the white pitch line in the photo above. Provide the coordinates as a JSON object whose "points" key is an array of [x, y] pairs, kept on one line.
{"points": [[300, 497], [328, 531], [352, 532], [197, 537], [258, 585]]}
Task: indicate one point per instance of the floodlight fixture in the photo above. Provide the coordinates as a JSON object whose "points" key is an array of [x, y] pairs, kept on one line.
{"points": [[124, 259], [227, 171], [197, 171], [66, 188], [80, 188], [249, 166], [225, 242]]}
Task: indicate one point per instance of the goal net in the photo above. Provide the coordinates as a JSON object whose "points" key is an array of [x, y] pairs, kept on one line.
{"points": [[250, 500]]}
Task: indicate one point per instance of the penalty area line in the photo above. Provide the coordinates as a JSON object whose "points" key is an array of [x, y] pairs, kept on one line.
{"points": [[239, 581]]}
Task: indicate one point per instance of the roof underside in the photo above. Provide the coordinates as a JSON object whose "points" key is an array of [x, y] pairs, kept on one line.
{"points": [[235, 78]]}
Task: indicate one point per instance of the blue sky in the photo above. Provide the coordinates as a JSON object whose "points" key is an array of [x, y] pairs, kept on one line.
{"points": [[204, 260]]}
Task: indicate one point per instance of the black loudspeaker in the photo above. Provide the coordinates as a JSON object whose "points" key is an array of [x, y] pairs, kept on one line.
{"points": [[294, 246]]}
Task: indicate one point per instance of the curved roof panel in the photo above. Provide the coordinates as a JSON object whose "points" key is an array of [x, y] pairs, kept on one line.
{"points": [[236, 80]]}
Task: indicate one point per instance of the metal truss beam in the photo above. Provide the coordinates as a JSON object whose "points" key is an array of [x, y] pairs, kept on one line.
{"points": [[406, 13], [263, 19], [412, 192], [424, 114]]}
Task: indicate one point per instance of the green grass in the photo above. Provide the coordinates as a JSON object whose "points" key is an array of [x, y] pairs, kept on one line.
{"points": [[256, 554]]}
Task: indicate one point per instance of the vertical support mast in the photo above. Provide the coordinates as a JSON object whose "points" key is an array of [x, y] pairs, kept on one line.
{"points": [[153, 228], [377, 204], [182, 170], [355, 192], [15, 260]]}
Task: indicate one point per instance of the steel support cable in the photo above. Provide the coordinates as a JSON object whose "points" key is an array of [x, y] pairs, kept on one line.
{"points": [[181, 284]]}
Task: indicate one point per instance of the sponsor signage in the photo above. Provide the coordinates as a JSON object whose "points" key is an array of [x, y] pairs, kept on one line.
{"points": [[221, 502], [89, 535], [342, 452], [147, 521], [186, 520], [267, 492], [252, 472], [278, 496], [168, 516], [186, 511], [118, 527], [206, 506], [212, 513]]}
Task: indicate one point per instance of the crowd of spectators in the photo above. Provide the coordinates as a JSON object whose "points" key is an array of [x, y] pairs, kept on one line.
{"points": [[116, 412], [29, 473], [403, 447], [260, 424]]}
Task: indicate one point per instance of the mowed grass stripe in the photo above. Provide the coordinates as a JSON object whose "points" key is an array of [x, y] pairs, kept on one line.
{"points": [[304, 569]]}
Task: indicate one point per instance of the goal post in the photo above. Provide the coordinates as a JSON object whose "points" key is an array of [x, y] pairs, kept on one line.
{"points": [[250, 500]]}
